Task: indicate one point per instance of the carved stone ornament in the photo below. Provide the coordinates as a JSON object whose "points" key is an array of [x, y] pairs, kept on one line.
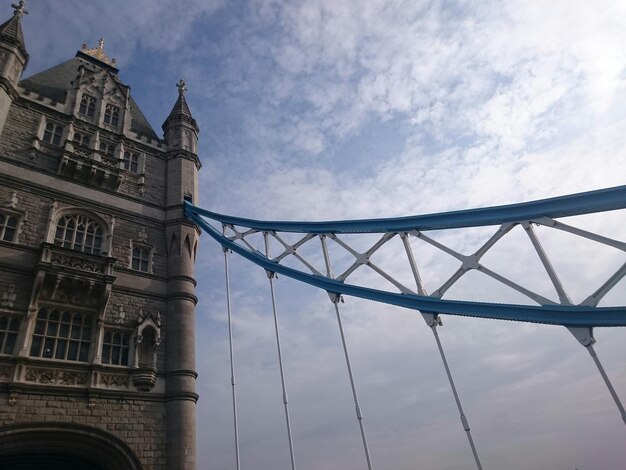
{"points": [[5, 372], [122, 315], [56, 377], [114, 380], [11, 201], [144, 379], [76, 262]]}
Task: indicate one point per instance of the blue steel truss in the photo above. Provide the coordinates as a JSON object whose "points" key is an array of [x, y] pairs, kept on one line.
{"points": [[541, 212]]}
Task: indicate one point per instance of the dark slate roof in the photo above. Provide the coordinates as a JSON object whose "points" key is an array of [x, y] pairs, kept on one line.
{"points": [[180, 111], [56, 81], [180, 107], [11, 31]]}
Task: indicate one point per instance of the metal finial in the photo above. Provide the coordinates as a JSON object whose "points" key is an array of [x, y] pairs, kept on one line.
{"points": [[20, 8], [181, 87]]}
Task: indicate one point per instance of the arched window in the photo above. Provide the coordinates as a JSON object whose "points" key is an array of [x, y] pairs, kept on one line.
{"points": [[111, 115], [82, 139], [141, 258], [87, 106], [62, 335], [107, 149], [79, 232]]}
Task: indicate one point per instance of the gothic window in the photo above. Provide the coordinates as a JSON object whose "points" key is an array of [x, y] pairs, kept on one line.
{"points": [[9, 327], [130, 161], [141, 258], [62, 335], [79, 232], [8, 227], [108, 149], [87, 106], [115, 348], [111, 115], [52, 133], [82, 139]]}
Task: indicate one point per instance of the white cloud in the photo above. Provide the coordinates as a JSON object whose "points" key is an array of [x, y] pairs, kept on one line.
{"points": [[492, 103]]}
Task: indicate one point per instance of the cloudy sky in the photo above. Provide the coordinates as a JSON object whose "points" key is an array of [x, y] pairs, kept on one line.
{"points": [[327, 109]]}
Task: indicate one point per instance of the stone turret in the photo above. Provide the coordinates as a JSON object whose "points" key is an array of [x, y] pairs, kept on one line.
{"points": [[183, 164], [13, 59]]}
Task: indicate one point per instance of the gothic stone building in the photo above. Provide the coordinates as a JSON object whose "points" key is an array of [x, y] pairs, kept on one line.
{"points": [[96, 269]]}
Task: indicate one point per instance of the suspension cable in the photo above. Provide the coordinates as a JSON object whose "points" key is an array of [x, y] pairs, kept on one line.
{"points": [[464, 420], [232, 356], [432, 321], [608, 383], [271, 276], [335, 299], [585, 337]]}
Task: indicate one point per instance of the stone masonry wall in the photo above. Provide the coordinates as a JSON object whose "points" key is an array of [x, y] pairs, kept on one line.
{"points": [[139, 423]]}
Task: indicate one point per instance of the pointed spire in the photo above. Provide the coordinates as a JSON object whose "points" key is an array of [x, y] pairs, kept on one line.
{"points": [[11, 30], [180, 111]]}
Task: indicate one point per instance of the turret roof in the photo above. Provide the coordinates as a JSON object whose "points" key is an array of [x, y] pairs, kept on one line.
{"points": [[11, 30], [180, 111]]}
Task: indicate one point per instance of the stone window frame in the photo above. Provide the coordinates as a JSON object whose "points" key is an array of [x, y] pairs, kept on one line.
{"points": [[124, 347], [52, 133], [46, 130], [5, 216], [107, 149], [9, 333], [141, 247], [88, 240], [111, 115], [87, 105], [55, 338], [82, 138], [148, 327], [56, 214], [131, 161]]}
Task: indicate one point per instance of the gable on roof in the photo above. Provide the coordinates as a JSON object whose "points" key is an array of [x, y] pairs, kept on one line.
{"points": [[61, 81]]}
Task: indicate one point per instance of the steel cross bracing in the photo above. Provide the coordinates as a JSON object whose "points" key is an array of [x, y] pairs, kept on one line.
{"points": [[248, 237], [237, 234]]}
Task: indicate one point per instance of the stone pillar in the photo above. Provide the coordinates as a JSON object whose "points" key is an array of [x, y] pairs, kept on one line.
{"points": [[180, 347], [181, 135]]}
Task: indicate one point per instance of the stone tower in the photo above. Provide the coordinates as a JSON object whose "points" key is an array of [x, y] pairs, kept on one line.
{"points": [[13, 59], [97, 366]]}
